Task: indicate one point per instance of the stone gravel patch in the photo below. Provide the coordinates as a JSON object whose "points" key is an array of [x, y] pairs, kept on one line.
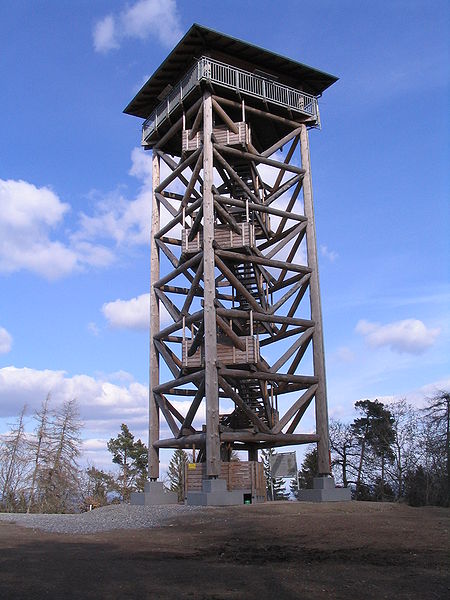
{"points": [[106, 518]]}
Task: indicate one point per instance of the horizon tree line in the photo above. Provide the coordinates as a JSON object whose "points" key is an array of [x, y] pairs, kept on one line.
{"points": [[389, 452]]}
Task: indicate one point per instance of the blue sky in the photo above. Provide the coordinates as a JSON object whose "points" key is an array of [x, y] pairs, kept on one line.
{"points": [[75, 189]]}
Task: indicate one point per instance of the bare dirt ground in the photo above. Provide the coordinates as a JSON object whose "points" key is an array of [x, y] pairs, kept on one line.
{"points": [[282, 550]]}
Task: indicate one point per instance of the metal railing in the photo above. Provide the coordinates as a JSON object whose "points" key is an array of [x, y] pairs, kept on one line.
{"points": [[243, 82]]}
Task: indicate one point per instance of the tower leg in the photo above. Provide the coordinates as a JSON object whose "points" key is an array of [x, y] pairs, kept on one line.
{"points": [[153, 453], [211, 379], [316, 312]]}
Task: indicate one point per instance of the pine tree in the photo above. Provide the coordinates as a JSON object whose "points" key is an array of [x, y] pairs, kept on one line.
{"points": [[374, 431], [132, 458], [275, 486], [307, 472], [176, 471], [97, 484]]}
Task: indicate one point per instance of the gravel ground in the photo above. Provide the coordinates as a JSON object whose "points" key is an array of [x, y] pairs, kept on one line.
{"points": [[107, 518]]}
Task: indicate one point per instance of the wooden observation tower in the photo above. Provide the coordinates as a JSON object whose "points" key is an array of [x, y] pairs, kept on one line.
{"points": [[235, 315]]}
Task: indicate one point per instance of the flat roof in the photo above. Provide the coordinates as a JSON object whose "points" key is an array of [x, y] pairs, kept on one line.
{"points": [[200, 40]]}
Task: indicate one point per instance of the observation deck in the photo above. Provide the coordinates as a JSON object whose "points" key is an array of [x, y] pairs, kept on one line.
{"points": [[243, 83]]}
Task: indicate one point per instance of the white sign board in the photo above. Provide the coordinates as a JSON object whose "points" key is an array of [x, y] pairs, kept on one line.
{"points": [[284, 465]]}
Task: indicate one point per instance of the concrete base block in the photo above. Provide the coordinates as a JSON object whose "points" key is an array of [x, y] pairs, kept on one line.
{"points": [[153, 494], [324, 490], [214, 493]]}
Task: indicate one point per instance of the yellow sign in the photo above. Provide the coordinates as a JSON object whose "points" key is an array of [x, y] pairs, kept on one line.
{"points": [[192, 466]]}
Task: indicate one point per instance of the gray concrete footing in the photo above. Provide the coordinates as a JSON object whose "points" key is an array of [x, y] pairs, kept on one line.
{"points": [[153, 494], [324, 490], [214, 493]]}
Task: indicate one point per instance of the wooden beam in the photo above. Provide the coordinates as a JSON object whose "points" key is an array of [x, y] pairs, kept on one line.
{"points": [[192, 411], [198, 339], [211, 381], [176, 220], [306, 380], [154, 416], [286, 161], [258, 158], [300, 229], [281, 190], [196, 125], [286, 139], [196, 224], [289, 207], [161, 401], [226, 218], [260, 207], [303, 282], [192, 181], [235, 313], [193, 289], [177, 126], [181, 269], [300, 341], [234, 281], [316, 313], [257, 422], [167, 356], [283, 438], [259, 260], [162, 388], [256, 111], [194, 318], [281, 336], [237, 341], [173, 310], [178, 170], [173, 211], [170, 255], [225, 118], [234, 176], [298, 357], [293, 308], [302, 402]]}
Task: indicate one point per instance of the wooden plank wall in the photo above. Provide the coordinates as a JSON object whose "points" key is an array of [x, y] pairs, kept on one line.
{"points": [[239, 475]]}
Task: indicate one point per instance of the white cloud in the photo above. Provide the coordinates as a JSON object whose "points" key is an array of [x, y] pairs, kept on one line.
{"points": [[31, 219], [27, 218], [100, 400], [105, 35], [407, 336], [5, 341], [27, 215], [128, 314], [344, 354], [133, 314], [330, 254], [146, 18], [126, 222]]}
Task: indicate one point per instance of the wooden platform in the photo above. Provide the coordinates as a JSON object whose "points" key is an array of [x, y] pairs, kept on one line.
{"points": [[226, 353], [224, 236], [222, 135]]}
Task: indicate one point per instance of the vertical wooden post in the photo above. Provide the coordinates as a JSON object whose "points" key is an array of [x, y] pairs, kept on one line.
{"points": [[211, 379], [316, 312], [153, 453]]}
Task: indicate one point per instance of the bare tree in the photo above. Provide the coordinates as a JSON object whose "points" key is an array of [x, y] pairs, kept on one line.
{"points": [[37, 445], [14, 463], [344, 449], [59, 477], [437, 419], [405, 445]]}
